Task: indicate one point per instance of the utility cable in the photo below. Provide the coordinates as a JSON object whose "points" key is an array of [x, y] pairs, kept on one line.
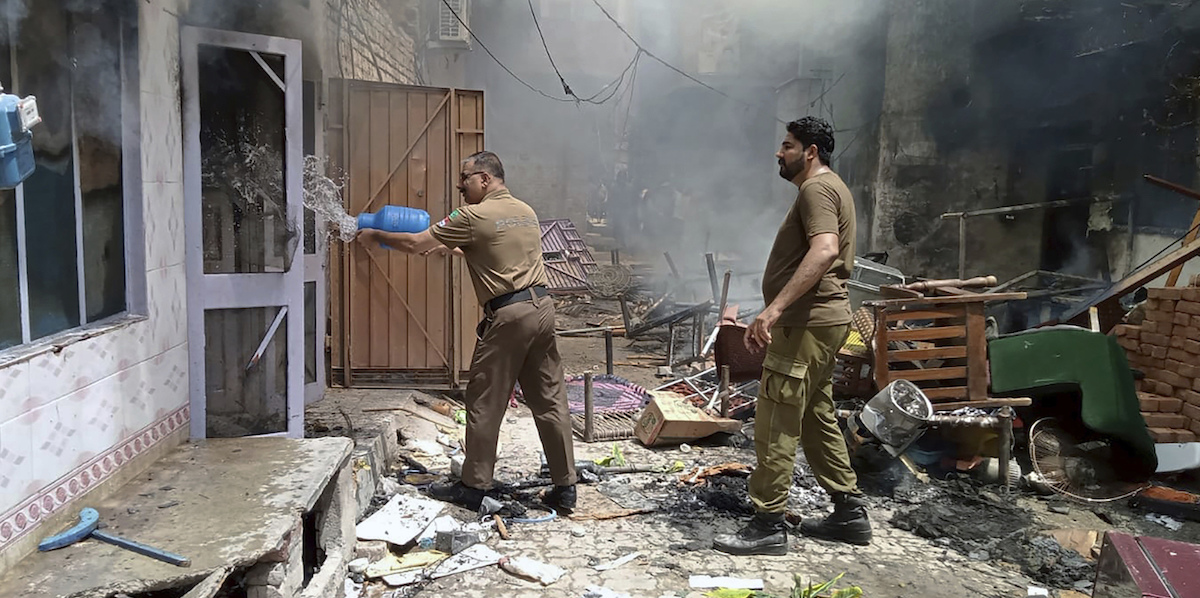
{"points": [[615, 84], [678, 70], [566, 88], [446, 3]]}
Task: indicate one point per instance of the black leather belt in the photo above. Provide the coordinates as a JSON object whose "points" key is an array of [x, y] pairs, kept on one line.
{"points": [[515, 296]]}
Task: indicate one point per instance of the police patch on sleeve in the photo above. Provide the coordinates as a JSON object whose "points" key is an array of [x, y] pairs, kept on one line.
{"points": [[446, 220]]}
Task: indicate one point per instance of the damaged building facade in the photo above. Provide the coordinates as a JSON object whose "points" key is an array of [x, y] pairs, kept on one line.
{"points": [[990, 105], [109, 313]]}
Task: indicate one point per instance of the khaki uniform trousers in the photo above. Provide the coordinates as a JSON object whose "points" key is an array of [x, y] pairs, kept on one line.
{"points": [[517, 344], [795, 407]]}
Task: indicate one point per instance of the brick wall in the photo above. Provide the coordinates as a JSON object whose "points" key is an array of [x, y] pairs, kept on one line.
{"points": [[374, 40], [1166, 346]]}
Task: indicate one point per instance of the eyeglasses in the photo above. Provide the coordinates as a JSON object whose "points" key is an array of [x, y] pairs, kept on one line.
{"points": [[463, 176]]}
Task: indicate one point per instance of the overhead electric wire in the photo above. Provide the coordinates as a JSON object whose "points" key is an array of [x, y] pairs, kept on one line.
{"points": [[566, 88], [574, 98], [446, 3], [678, 70]]}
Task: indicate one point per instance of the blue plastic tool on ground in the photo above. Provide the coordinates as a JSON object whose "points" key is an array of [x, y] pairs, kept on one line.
{"points": [[88, 527]]}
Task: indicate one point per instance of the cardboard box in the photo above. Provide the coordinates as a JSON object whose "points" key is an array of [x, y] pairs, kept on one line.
{"points": [[671, 419]]}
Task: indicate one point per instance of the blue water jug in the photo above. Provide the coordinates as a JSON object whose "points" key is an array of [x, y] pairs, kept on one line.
{"points": [[396, 219], [16, 142]]}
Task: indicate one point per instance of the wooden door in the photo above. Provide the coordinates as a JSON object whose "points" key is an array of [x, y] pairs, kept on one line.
{"points": [[401, 320]]}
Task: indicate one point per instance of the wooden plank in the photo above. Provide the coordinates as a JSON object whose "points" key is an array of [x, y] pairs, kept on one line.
{"points": [[335, 144], [401, 159], [470, 107], [946, 392], [398, 264], [413, 195], [1143, 277], [436, 203], [882, 337], [955, 300], [950, 373], [925, 314], [358, 179], [382, 324], [977, 359], [984, 404], [1173, 277], [927, 334], [957, 352]]}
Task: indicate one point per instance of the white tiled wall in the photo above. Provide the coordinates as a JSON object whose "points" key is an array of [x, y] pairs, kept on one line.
{"points": [[71, 418]]}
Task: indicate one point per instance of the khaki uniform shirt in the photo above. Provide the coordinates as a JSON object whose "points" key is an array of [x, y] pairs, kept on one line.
{"points": [[824, 205], [501, 240]]}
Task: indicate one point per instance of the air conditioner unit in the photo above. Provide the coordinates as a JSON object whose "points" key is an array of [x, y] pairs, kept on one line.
{"points": [[449, 27]]}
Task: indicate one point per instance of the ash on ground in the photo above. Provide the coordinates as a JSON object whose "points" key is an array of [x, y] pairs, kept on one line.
{"points": [[981, 525], [721, 493]]}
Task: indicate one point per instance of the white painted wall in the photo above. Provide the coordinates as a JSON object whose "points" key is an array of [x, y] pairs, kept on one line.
{"points": [[71, 418]]}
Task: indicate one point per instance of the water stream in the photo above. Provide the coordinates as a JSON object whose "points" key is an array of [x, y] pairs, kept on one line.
{"points": [[323, 195]]}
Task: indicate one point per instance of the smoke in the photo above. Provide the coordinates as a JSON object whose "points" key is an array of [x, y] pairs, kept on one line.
{"points": [[12, 13], [670, 164], [1026, 102]]}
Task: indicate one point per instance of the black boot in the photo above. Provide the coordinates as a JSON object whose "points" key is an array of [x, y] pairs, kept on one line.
{"points": [[848, 523], [765, 534], [561, 498], [459, 494]]}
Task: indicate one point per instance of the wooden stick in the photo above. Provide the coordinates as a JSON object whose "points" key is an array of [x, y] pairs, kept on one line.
{"points": [[501, 528], [612, 514], [589, 418], [986, 404], [928, 285]]}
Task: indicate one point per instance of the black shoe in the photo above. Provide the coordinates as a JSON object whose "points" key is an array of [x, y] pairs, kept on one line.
{"points": [[561, 498], [848, 523], [459, 494], [765, 534]]}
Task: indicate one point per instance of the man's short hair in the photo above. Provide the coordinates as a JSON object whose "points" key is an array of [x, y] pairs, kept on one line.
{"points": [[812, 130], [488, 162]]}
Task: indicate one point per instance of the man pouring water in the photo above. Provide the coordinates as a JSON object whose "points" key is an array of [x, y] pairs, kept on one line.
{"points": [[500, 238]]}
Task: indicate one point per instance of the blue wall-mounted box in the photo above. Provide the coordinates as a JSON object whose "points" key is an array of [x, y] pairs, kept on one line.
{"points": [[17, 117]]}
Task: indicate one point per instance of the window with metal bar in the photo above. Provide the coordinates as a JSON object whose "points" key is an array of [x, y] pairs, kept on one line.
{"points": [[63, 242]]}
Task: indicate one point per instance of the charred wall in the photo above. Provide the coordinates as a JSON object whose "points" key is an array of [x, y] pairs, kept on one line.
{"points": [[1005, 103]]}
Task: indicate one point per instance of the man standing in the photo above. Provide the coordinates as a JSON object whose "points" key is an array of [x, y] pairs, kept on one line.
{"points": [[805, 322], [500, 238]]}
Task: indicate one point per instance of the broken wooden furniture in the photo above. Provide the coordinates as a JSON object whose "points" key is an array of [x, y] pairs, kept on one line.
{"points": [[610, 422], [950, 363]]}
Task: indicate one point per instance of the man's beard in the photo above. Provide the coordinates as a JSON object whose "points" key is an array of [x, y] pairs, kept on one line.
{"points": [[790, 171]]}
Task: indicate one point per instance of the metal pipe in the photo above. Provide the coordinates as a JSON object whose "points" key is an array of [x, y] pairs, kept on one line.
{"points": [[1006, 434], [608, 351], [1017, 208], [724, 391], [947, 421], [724, 295], [671, 265], [671, 344], [711, 261]]}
